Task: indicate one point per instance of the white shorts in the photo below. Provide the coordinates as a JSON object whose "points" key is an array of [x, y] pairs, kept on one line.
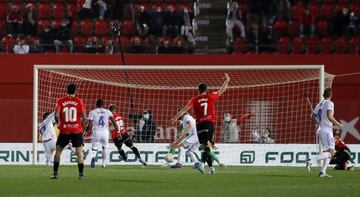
{"points": [[49, 146], [100, 138], [191, 143], [326, 140]]}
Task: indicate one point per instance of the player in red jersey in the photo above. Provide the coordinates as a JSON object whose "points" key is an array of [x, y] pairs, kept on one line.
{"points": [[124, 137], [342, 155], [203, 105], [70, 114]]}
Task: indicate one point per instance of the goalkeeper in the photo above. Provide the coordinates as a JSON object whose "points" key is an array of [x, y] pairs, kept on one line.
{"points": [[342, 155]]}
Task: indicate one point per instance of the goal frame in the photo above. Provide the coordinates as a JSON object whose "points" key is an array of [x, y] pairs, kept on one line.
{"points": [[37, 67]]}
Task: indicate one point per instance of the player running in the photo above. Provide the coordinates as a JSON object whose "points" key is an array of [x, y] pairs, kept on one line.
{"points": [[204, 109], [48, 136], [323, 114], [70, 114], [99, 123], [189, 140], [124, 137]]}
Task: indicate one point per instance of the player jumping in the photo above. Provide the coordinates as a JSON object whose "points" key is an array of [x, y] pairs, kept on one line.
{"points": [[99, 123], [323, 114], [204, 109], [124, 137], [48, 134], [70, 114]]}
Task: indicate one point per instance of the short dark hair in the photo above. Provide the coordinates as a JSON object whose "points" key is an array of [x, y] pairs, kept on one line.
{"points": [[100, 103], [45, 115], [202, 87], [112, 107], [71, 89], [327, 93]]}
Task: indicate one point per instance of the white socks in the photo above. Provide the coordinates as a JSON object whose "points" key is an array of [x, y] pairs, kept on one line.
{"points": [[321, 156], [192, 156], [181, 154]]}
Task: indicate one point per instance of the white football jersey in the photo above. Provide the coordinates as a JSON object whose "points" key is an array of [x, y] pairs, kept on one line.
{"points": [[189, 119], [46, 128], [320, 111], [100, 118]]}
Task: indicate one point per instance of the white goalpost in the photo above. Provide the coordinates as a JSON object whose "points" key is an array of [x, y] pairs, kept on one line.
{"points": [[258, 97]]}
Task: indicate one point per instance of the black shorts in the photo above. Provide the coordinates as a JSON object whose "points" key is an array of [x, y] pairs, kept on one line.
{"points": [[205, 132], [64, 139], [124, 140]]}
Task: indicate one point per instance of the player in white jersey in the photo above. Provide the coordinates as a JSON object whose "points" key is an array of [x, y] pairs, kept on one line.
{"points": [[48, 135], [99, 123], [189, 140], [323, 115]]}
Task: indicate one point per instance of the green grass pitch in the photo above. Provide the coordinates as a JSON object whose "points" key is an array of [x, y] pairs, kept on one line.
{"points": [[156, 181]]}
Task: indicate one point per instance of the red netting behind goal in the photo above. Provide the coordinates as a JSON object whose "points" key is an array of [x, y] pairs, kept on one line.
{"points": [[256, 99]]}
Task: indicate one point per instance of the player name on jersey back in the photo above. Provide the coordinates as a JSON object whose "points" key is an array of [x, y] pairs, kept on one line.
{"points": [[70, 109]]}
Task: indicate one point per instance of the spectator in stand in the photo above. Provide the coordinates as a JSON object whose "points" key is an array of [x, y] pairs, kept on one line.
{"points": [[84, 7], [234, 19], [353, 25], [91, 45], [165, 47], [36, 47], [284, 6], [14, 20], [157, 21], [179, 46], [21, 47], [269, 11], [142, 21], [109, 47], [63, 35], [150, 44], [30, 18], [171, 23], [254, 8], [307, 23], [146, 128], [340, 22], [47, 37], [253, 37], [100, 8], [136, 45], [267, 39], [186, 23]]}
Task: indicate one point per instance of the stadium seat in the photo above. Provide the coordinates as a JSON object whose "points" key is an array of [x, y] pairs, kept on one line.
{"points": [[2, 27], [123, 40], [326, 45], [7, 44], [281, 27], [86, 27], [326, 11], [42, 24], [79, 43], [44, 10], [283, 45], [329, 1], [58, 10], [341, 46], [298, 45], [313, 45], [240, 45], [71, 10], [100, 27], [56, 23], [355, 8], [354, 47], [297, 11], [3, 10], [294, 28], [323, 28], [128, 28], [75, 27]]}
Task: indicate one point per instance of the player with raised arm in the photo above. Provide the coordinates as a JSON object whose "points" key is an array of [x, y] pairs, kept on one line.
{"points": [[70, 114], [204, 109], [99, 123], [124, 137], [48, 136], [189, 140], [324, 115]]}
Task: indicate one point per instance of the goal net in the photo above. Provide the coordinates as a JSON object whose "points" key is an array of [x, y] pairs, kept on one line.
{"points": [[258, 98]]}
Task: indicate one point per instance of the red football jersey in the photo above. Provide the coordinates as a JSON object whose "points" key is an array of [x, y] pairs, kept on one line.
{"points": [[121, 125], [204, 107], [340, 145], [70, 109]]}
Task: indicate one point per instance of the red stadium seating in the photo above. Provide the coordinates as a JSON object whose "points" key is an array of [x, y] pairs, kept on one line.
{"points": [[44, 10], [281, 27], [294, 28], [240, 45], [2, 27], [326, 11], [75, 27], [313, 45], [86, 27], [297, 10], [123, 40], [323, 28], [128, 28], [100, 27], [79, 43], [56, 23], [298, 45], [59, 10], [71, 10], [341, 45], [283, 45], [7, 44], [326, 45], [42, 24], [3, 10], [354, 45]]}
